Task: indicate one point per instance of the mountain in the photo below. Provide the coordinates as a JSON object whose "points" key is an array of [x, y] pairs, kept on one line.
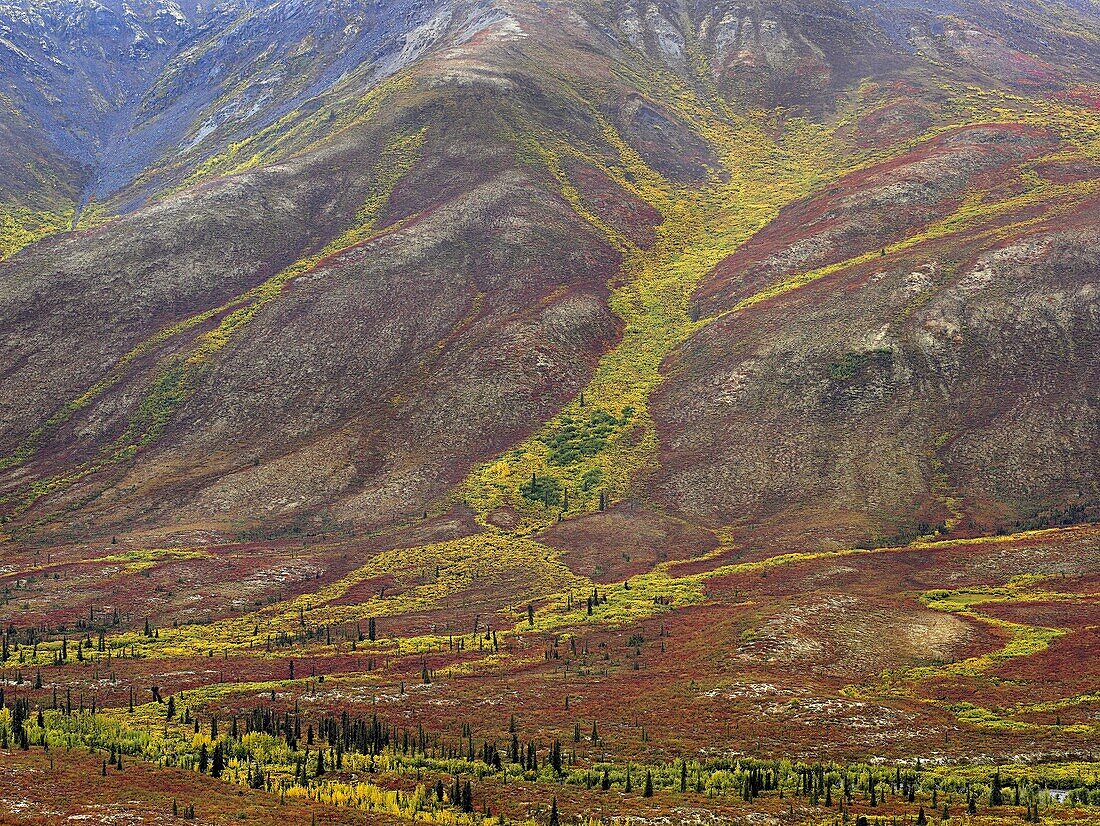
{"points": [[212, 351], [761, 332]]}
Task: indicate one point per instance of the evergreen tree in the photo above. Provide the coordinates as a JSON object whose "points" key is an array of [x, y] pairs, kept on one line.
{"points": [[995, 796], [555, 757]]}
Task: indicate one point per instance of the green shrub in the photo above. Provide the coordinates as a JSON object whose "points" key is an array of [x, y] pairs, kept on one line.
{"points": [[576, 439], [545, 489]]}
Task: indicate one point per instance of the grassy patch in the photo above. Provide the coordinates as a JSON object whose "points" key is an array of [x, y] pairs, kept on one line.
{"points": [[21, 226]]}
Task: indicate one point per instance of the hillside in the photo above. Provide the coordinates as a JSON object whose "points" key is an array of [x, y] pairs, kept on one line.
{"points": [[695, 400]]}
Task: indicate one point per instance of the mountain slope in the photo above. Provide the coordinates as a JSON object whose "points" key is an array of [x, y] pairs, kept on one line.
{"points": [[132, 92], [193, 390], [903, 383]]}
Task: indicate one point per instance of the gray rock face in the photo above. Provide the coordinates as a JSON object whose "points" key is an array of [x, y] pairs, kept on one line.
{"points": [[803, 53], [122, 88], [75, 67]]}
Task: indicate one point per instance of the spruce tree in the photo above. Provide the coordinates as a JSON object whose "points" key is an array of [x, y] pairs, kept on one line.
{"points": [[995, 796]]}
